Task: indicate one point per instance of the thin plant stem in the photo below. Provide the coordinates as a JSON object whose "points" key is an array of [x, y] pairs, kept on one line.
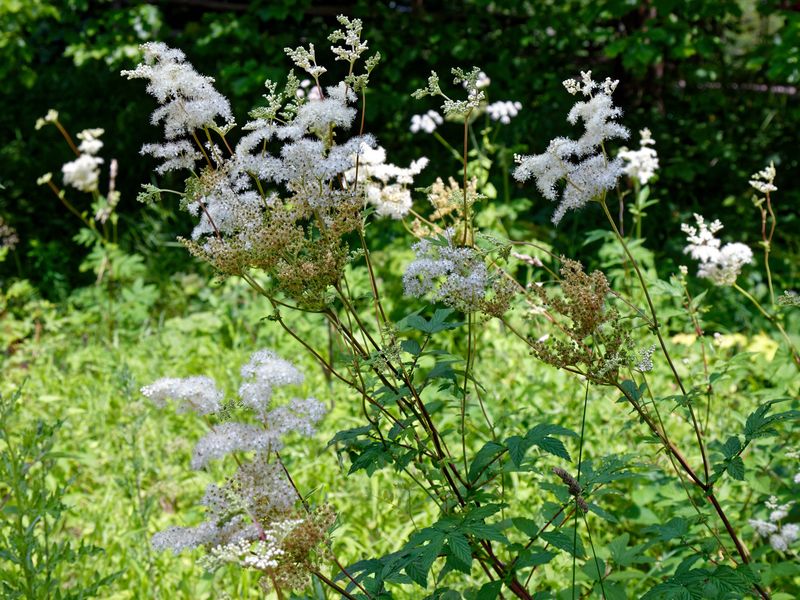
{"points": [[657, 330], [577, 508], [464, 393], [773, 320], [594, 554], [333, 585]]}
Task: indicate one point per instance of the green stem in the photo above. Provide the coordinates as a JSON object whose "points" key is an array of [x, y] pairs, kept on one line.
{"points": [[657, 330], [773, 320]]}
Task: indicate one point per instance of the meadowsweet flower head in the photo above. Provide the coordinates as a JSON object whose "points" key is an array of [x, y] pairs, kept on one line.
{"points": [[50, 117], [454, 275], [90, 141], [645, 362], [262, 374], [641, 164], [780, 535], [720, 264], [581, 165], [763, 180], [83, 173], [188, 100], [199, 394], [385, 185]]}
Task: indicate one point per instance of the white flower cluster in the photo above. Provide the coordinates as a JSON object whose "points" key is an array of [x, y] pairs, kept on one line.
{"points": [[188, 102], [641, 164], [385, 184], [259, 487], [199, 393], [763, 180], [721, 265], [264, 372], [781, 536], [503, 111], [313, 92], [83, 173], [261, 374], [455, 275], [229, 437], [581, 164], [427, 122], [645, 360]]}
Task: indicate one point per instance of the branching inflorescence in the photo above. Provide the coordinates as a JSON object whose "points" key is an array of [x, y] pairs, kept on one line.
{"points": [[255, 519]]}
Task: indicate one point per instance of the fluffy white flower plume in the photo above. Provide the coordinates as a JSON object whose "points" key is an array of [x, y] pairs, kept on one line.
{"points": [[90, 140], [641, 164], [188, 100], [300, 415], [580, 164], [230, 437], [261, 374], [454, 275], [720, 264], [780, 535], [386, 185], [83, 173], [199, 394]]}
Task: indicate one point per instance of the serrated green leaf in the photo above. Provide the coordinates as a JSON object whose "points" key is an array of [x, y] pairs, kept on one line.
{"points": [[517, 447], [527, 526], [489, 591], [411, 346], [735, 468], [460, 548], [483, 458], [563, 541]]}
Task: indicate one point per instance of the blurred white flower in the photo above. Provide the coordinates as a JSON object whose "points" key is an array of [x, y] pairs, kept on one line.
{"points": [[427, 122], [503, 111], [641, 164], [721, 265], [83, 172]]}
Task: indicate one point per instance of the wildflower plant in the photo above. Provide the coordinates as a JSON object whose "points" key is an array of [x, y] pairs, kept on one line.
{"points": [[290, 208]]}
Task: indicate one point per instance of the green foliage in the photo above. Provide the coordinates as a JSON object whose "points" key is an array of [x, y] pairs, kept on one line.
{"points": [[38, 559]]}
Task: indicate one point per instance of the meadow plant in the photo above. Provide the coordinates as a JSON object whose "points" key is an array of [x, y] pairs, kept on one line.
{"points": [[114, 267], [39, 557], [292, 208]]}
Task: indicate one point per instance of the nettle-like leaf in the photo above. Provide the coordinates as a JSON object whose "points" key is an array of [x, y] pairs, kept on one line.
{"points": [[451, 538], [732, 462], [438, 322], [486, 461], [540, 436], [564, 541], [758, 425], [719, 583], [677, 527], [624, 555], [761, 424]]}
